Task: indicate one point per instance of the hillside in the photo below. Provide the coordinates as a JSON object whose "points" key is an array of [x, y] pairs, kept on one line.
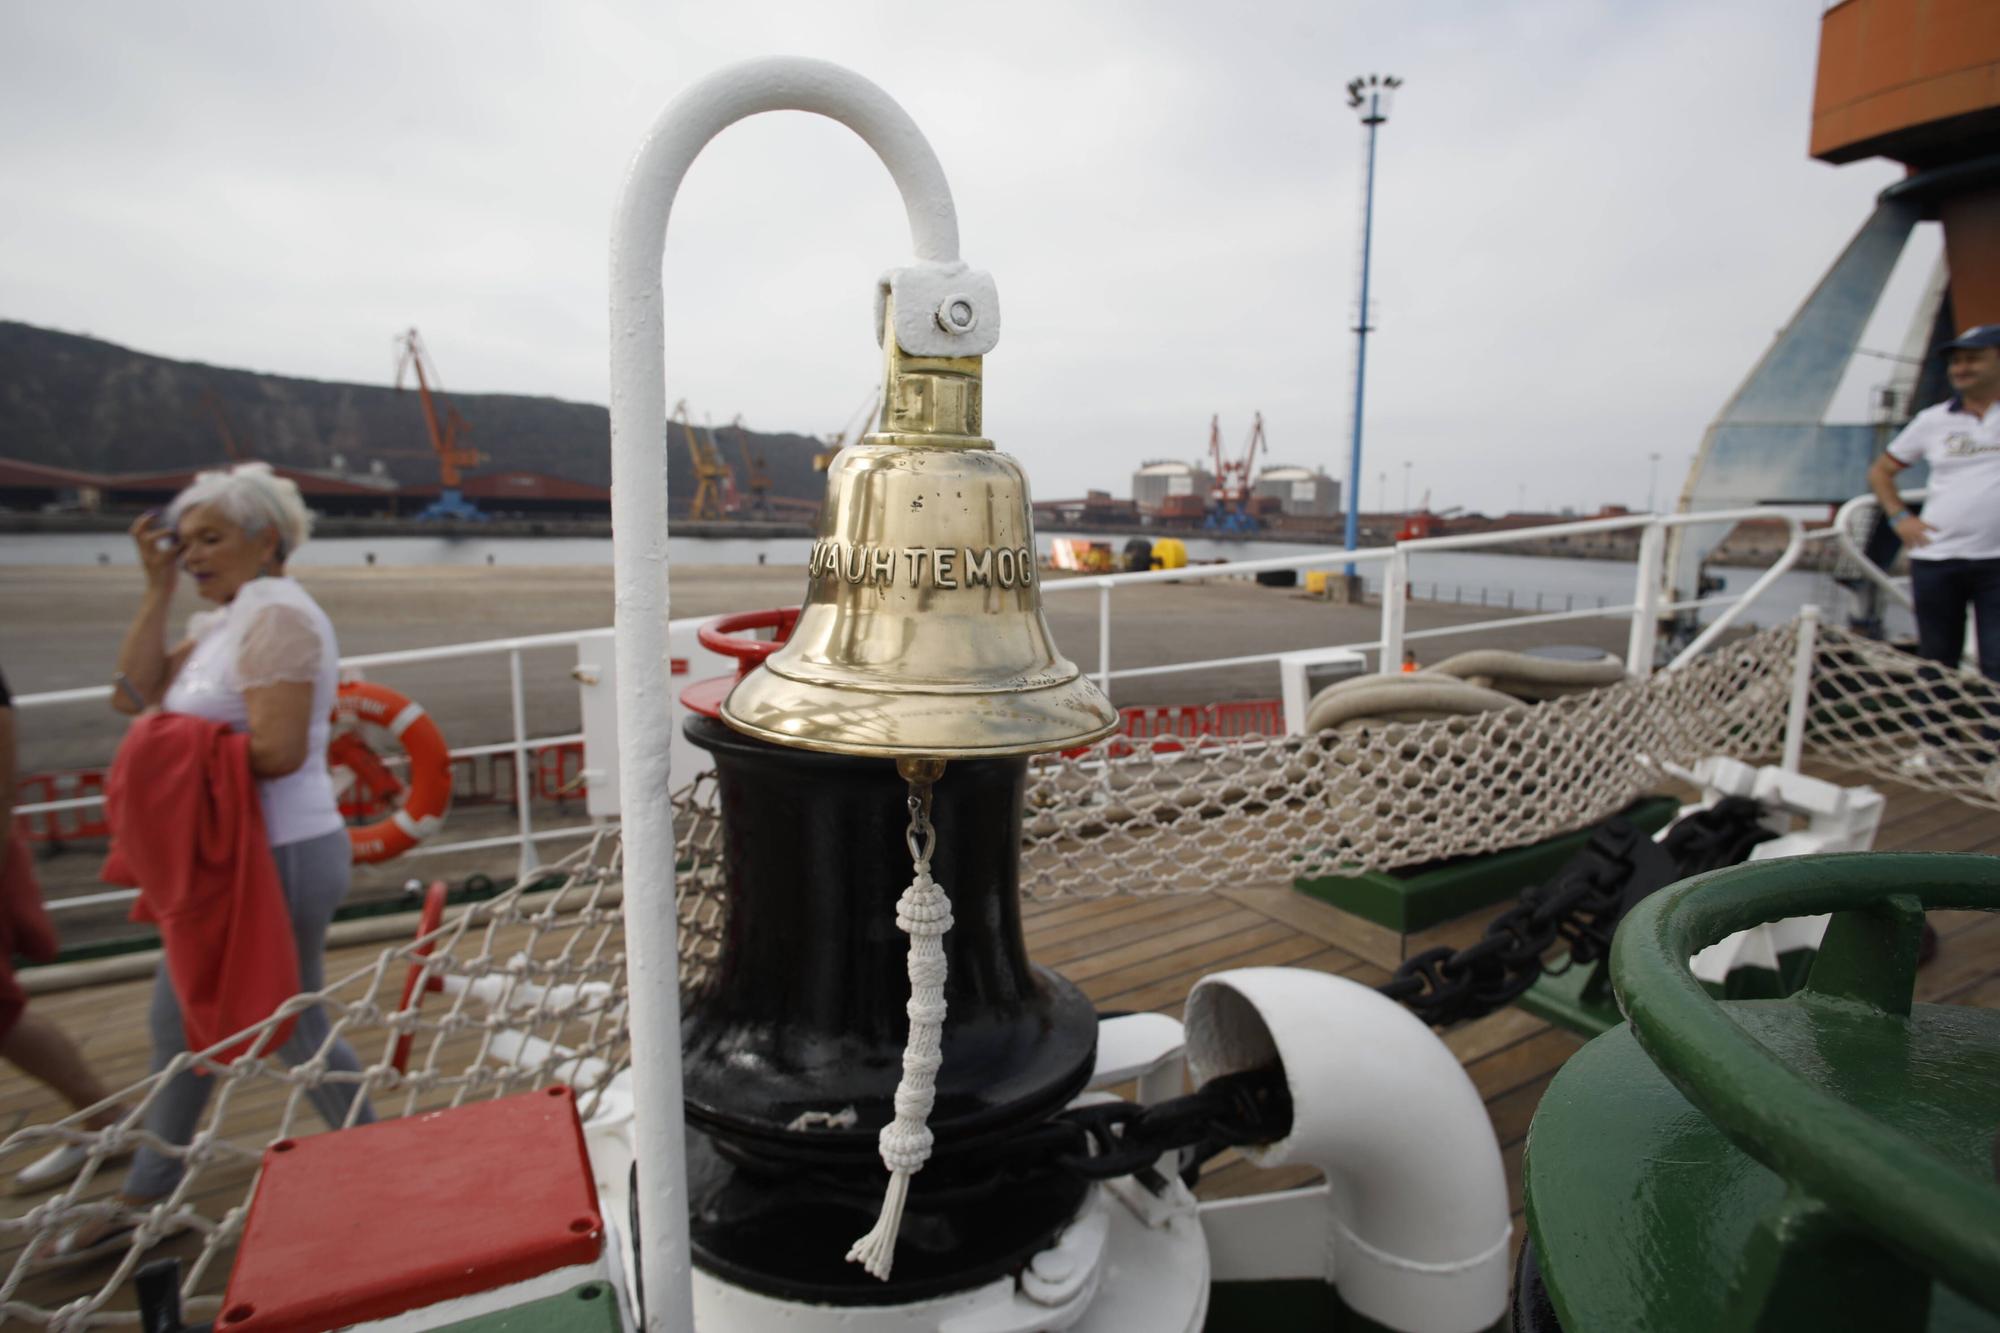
{"points": [[81, 403]]}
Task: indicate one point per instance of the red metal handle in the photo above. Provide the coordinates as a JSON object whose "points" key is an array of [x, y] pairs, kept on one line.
{"points": [[720, 635], [433, 917]]}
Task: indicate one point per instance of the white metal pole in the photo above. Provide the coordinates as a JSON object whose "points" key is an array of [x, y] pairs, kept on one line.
{"points": [[1395, 606], [1802, 671], [639, 553], [1104, 638], [1639, 645], [528, 863]]}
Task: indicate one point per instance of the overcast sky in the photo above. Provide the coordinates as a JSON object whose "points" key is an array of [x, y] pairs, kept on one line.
{"points": [[1592, 215]]}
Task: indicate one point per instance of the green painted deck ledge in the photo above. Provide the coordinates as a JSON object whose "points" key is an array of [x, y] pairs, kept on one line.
{"points": [[1419, 897], [589, 1308]]}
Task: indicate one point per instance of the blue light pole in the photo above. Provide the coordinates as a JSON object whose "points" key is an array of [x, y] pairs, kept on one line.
{"points": [[1370, 97]]}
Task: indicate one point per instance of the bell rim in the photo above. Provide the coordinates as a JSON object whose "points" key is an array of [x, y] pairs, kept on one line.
{"points": [[733, 715], [819, 675], [917, 751]]}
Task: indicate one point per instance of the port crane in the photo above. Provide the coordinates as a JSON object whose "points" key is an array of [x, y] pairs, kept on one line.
{"points": [[447, 432], [755, 476], [852, 430], [1230, 510], [714, 483], [211, 406]]}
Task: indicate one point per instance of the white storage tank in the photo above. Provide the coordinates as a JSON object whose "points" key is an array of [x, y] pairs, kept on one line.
{"points": [[1300, 492], [1154, 485]]}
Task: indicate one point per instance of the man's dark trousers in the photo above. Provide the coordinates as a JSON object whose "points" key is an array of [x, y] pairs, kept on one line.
{"points": [[1942, 591]]}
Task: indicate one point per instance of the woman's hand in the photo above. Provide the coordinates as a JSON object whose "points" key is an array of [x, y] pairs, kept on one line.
{"points": [[159, 551], [143, 658]]}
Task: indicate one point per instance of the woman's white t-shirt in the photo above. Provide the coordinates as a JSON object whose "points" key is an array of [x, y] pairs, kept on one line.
{"points": [[271, 632]]}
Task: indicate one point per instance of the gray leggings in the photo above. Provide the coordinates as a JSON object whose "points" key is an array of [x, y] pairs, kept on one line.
{"points": [[315, 875]]}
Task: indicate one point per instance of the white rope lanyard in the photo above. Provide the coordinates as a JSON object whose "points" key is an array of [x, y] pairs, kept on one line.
{"points": [[923, 913]]}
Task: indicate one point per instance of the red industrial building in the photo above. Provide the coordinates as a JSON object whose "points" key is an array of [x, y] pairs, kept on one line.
{"points": [[523, 495], [323, 494], [33, 487], [37, 487]]}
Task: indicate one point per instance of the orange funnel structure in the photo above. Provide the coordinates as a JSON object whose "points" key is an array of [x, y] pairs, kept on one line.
{"points": [[1917, 82]]}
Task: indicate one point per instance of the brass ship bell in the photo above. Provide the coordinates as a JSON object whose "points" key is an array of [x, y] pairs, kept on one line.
{"points": [[922, 639], [922, 633]]}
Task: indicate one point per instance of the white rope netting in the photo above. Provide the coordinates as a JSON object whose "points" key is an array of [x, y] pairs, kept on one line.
{"points": [[533, 994], [1150, 817], [1902, 719], [534, 983], [698, 880]]}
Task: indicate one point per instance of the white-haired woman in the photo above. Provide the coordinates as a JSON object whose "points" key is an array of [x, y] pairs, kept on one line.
{"points": [[263, 661]]}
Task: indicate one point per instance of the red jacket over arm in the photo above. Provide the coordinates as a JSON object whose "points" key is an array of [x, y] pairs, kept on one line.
{"points": [[188, 832]]}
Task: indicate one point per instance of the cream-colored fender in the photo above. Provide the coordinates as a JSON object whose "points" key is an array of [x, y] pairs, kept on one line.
{"points": [[1420, 697], [1412, 1224], [1526, 676]]}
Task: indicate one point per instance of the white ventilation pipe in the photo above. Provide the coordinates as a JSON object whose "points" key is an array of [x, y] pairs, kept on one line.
{"points": [[1415, 1226]]}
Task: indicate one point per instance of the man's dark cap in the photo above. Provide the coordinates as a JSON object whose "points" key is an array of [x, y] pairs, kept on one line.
{"points": [[1979, 335]]}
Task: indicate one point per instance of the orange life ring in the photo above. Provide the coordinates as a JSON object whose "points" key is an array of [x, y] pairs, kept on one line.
{"points": [[427, 794]]}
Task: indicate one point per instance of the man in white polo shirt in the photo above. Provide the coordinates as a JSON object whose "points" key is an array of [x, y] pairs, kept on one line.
{"points": [[1955, 546]]}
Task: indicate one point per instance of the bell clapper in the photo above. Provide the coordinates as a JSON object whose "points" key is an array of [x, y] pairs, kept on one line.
{"points": [[923, 913]]}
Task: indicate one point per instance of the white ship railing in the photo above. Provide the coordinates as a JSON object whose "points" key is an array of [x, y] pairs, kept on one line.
{"points": [[522, 746], [1848, 520], [1648, 603], [1844, 524], [1642, 612]]}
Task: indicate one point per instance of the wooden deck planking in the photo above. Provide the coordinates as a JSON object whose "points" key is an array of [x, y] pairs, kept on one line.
{"points": [[1126, 954], [1965, 959], [1075, 946], [1961, 829], [1188, 948], [1291, 950]]}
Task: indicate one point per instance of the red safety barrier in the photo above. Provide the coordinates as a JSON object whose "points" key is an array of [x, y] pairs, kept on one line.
{"points": [[472, 780], [1252, 717], [55, 827], [559, 771], [476, 779], [1167, 724]]}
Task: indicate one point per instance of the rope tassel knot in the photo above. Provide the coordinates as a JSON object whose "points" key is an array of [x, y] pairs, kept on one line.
{"points": [[924, 914]]}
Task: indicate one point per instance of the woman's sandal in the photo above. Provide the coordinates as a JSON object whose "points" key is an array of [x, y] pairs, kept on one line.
{"points": [[69, 1250], [58, 1166]]}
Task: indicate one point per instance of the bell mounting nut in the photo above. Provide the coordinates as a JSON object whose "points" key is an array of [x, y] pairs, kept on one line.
{"points": [[940, 309]]}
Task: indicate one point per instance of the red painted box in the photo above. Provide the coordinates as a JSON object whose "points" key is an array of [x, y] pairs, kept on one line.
{"points": [[379, 1219]]}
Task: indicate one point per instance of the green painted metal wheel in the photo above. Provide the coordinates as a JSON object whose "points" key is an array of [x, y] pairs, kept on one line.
{"points": [[1821, 1162]]}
